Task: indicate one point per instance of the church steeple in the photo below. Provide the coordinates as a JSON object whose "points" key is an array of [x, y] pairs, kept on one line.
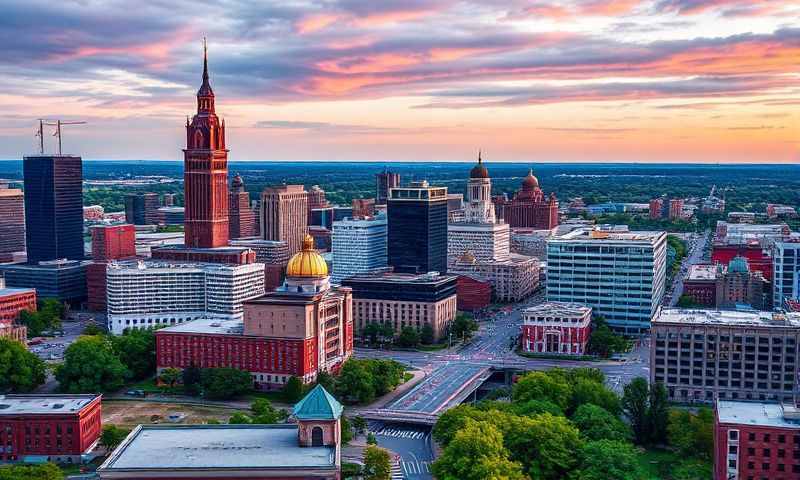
{"points": [[205, 95]]}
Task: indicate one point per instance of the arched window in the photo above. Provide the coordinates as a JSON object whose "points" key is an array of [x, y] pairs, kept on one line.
{"points": [[316, 437], [198, 139]]}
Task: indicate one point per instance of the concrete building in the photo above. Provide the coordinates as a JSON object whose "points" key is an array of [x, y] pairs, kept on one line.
{"points": [[284, 215], [384, 182], [64, 280], [109, 242], [756, 440], [53, 208], [363, 207], [303, 328], [359, 246], [557, 328], [619, 273], [12, 223], [404, 300], [12, 302], [48, 428], [512, 280], [307, 449], [701, 355], [143, 294], [170, 216], [786, 271], [530, 242], [273, 254], [417, 228]]}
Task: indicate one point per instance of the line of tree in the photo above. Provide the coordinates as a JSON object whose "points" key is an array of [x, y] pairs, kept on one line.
{"points": [[46, 318], [46, 471], [462, 328], [560, 424], [20, 370], [603, 342]]}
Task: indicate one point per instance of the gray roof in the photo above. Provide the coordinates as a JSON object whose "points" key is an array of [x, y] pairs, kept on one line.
{"points": [[208, 325], [44, 404], [756, 414], [176, 447]]}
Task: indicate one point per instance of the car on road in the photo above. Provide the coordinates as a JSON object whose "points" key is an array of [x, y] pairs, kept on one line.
{"points": [[135, 393]]}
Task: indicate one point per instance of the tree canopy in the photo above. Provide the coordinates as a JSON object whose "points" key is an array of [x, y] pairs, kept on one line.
{"points": [[20, 370], [91, 366], [476, 452]]}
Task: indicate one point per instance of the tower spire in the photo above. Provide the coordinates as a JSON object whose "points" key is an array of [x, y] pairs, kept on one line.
{"points": [[205, 61], [479, 156]]}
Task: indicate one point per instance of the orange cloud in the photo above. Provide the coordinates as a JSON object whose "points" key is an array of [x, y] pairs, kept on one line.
{"points": [[313, 23]]}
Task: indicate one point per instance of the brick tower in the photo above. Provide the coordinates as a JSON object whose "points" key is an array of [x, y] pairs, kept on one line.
{"points": [[205, 177]]}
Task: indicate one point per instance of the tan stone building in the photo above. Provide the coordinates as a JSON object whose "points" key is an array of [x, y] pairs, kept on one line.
{"points": [[404, 300], [283, 215], [512, 280]]}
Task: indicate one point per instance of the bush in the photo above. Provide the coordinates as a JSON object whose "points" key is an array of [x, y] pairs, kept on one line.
{"points": [[224, 383]]}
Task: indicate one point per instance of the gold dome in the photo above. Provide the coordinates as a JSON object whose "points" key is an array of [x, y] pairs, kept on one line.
{"points": [[307, 262]]}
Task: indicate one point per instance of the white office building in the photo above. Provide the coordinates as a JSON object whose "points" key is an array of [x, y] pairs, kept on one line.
{"points": [[785, 272], [144, 294], [359, 246], [619, 273]]}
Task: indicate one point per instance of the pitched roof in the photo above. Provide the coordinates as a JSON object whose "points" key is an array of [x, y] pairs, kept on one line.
{"points": [[318, 405]]}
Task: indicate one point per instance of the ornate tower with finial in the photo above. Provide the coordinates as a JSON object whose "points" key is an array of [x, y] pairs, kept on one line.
{"points": [[205, 172]]}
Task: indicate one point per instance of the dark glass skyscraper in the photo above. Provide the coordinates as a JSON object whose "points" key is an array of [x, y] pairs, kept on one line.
{"points": [[417, 237], [53, 207]]}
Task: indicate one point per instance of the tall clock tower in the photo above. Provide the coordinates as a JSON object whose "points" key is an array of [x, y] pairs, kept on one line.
{"points": [[205, 177]]}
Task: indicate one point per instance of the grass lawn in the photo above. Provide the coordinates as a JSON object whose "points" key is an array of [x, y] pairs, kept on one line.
{"points": [[660, 465], [276, 397]]}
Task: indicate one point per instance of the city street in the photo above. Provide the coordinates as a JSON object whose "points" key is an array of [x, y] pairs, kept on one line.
{"points": [[696, 245]]}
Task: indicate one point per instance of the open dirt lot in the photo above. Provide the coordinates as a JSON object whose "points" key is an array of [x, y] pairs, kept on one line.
{"points": [[128, 414]]}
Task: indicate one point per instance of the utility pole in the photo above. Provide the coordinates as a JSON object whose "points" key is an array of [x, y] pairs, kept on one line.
{"points": [[40, 134], [58, 125]]}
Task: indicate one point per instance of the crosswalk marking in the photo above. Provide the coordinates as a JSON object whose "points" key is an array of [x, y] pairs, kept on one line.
{"points": [[416, 468], [391, 432], [397, 472]]}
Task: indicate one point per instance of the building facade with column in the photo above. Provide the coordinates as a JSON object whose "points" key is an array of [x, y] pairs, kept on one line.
{"points": [[358, 247], [301, 329], [284, 215], [619, 273], [557, 328], [48, 428]]}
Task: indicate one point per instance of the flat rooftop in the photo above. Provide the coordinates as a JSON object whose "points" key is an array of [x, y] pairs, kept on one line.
{"points": [[405, 278], [14, 291], [211, 250], [192, 447], [566, 309], [757, 414], [703, 272], [44, 404], [608, 233], [208, 326], [728, 317]]}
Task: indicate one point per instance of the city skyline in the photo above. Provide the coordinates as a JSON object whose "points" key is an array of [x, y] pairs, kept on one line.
{"points": [[426, 80]]}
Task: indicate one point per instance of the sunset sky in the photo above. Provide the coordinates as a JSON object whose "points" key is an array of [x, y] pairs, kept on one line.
{"points": [[411, 80]]}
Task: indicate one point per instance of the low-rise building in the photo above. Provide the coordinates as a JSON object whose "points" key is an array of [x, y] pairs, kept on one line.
{"points": [[64, 280], [701, 284], [12, 302], [48, 428], [756, 440], [701, 355], [404, 300], [557, 328], [512, 280], [309, 448], [143, 294]]}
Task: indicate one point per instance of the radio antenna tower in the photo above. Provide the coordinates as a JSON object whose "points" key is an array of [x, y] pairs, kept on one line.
{"points": [[58, 125]]}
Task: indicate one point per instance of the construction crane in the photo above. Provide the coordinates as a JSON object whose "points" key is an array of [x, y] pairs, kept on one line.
{"points": [[57, 124]]}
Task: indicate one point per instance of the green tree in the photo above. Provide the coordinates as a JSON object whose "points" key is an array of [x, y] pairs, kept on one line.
{"points": [[90, 366], [588, 391], [635, 404], [409, 337], [136, 349], [224, 383], [46, 318], [371, 440], [327, 381], [464, 326], [93, 329], [386, 374], [265, 413], [346, 430], [692, 434], [112, 436], [240, 418], [451, 421], [597, 423], [536, 407], [426, 335], [356, 382], [20, 370], [544, 444], [687, 301], [658, 413], [609, 460], [192, 380], [543, 386], [359, 424], [47, 471], [377, 464], [293, 390], [170, 376], [603, 342], [477, 453]]}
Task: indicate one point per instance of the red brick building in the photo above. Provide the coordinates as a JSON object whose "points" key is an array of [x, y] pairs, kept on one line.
{"points": [[472, 293], [303, 328], [363, 207], [12, 302], [529, 208], [241, 217], [702, 283], [556, 327], [179, 253], [656, 208], [205, 177], [756, 441], [58, 428], [109, 242]]}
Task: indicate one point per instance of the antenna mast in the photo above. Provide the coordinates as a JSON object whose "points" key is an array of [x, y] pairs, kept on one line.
{"points": [[58, 125]]}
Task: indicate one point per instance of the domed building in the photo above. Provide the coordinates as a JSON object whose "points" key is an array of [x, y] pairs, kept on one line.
{"points": [[529, 208], [302, 328]]}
